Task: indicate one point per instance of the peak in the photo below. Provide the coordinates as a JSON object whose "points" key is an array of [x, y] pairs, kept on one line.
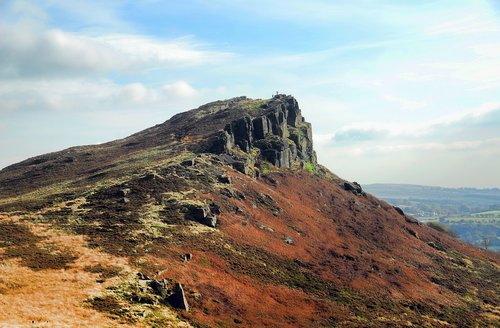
{"points": [[250, 130], [271, 130]]}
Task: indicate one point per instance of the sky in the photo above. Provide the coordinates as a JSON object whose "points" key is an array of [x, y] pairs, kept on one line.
{"points": [[397, 91]]}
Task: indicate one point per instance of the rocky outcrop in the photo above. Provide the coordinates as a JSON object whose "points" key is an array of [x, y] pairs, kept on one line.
{"points": [[201, 214], [276, 131], [354, 187]]}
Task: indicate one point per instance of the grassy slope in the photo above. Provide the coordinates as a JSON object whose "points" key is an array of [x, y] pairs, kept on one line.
{"points": [[352, 261]]}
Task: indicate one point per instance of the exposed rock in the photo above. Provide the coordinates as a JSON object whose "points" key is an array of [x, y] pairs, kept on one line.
{"points": [[178, 299], [214, 208], [288, 240], [269, 203], [240, 195], [201, 214], [125, 200], [273, 182], [142, 276], [152, 176], [411, 219], [224, 179], [226, 159], [277, 150], [123, 192], [399, 210], [187, 257], [354, 187], [230, 193], [188, 162], [241, 167], [242, 132], [437, 246], [277, 129], [238, 210], [411, 232], [159, 287]]}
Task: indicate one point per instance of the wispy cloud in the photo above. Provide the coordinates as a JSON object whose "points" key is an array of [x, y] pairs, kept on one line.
{"points": [[471, 24], [25, 52], [457, 124], [93, 95]]}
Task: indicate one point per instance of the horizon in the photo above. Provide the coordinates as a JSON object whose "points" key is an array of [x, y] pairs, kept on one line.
{"points": [[390, 98]]}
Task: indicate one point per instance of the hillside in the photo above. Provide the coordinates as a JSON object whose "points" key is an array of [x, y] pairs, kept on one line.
{"points": [[221, 217]]}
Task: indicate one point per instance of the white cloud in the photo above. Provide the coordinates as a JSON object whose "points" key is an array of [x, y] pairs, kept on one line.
{"points": [[471, 24], [134, 92], [148, 51], [27, 50], [179, 89], [469, 115], [463, 145], [91, 95], [455, 124]]}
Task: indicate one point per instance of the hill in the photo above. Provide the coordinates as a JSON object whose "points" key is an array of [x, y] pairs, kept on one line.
{"points": [[221, 217], [427, 201], [471, 213]]}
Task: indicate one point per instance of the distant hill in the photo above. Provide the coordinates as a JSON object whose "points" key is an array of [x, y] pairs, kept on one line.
{"points": [[429, 201], [474, 214]]}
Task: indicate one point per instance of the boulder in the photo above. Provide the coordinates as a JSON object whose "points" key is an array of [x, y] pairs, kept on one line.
{"points": [[224, 179], [159, 287], [201, 214], [178, 299], [187, 257], [353, 187], [188, 162], [242, 167], [399, 210], [411, 219]]}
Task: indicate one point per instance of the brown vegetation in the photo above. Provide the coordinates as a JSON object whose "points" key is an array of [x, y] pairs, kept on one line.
{"points": [[292, 247]]}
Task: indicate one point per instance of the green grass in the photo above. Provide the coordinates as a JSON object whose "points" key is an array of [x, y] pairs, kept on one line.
{"points": [[265, 167], [310, 167], [253, 104]]}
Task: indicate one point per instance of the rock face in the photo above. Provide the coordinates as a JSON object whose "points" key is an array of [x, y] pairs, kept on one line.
{"points": [[276, 131]]}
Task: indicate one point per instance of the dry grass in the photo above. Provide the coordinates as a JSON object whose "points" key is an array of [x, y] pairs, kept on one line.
{"points": [[59, 297], [49, 298]]}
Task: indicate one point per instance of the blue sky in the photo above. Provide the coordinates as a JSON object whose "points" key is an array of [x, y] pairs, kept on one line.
{"points": [[397, 91]]}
